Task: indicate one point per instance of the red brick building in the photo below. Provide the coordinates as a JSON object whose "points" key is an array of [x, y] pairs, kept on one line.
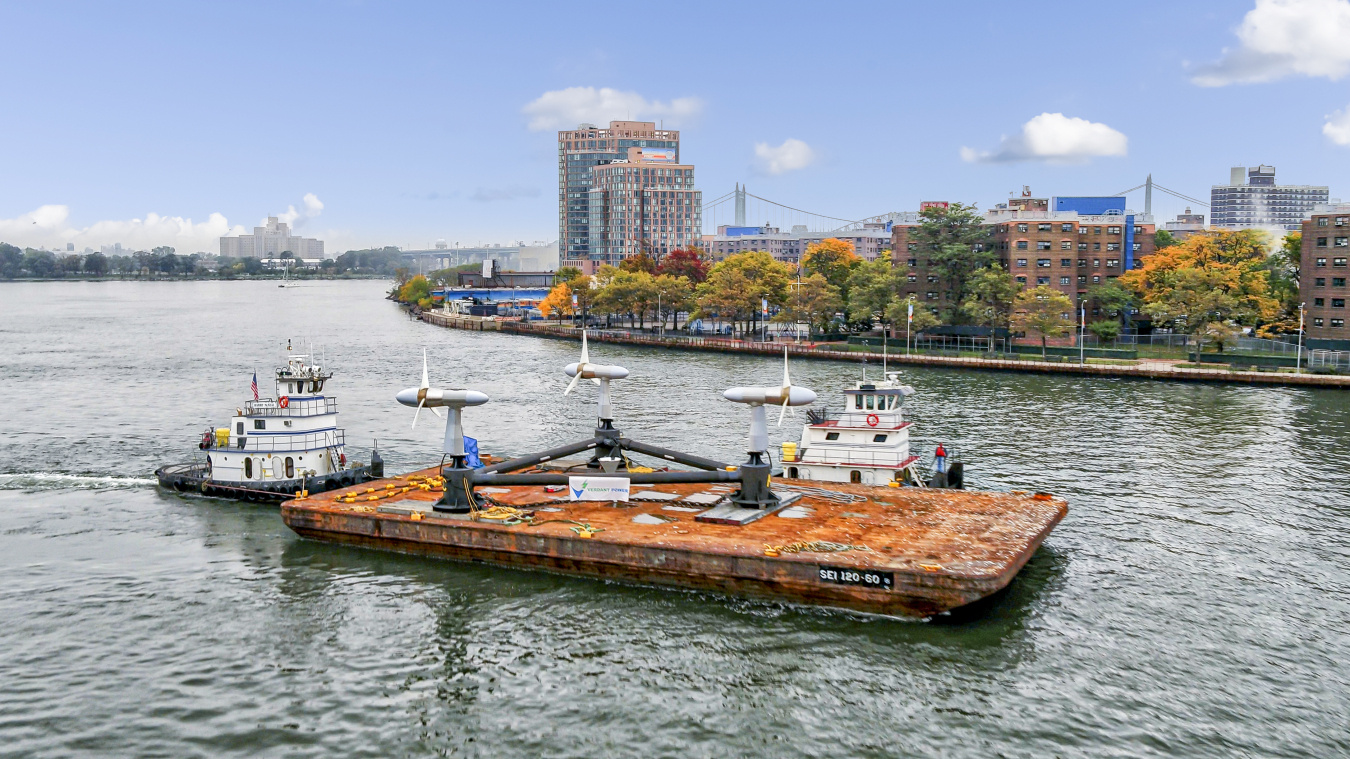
{"points": [[1324, 268]]}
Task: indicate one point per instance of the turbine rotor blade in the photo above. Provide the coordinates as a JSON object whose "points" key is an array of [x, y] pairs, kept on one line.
{"points": [[436, 411], [418, 412], [585, 351], [787, 381], [783, 413], [573, 384], [425, 382]]}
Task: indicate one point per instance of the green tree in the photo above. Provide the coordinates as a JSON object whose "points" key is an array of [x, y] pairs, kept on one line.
{"points": [[676, 295], [639, 263], [898, 315], [566, 274], [39, 263], [814, 302], [957, 241], [735, 285], [990, 292], [872, 286], [96, 264], [11, 261], [1163, 239], [1043, 310], [1196, 299], [415, 291], [1114, 299], [1106, 330]]}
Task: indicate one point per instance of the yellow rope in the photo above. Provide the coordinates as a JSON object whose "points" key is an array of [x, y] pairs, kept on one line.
{"points": [[814, 546]]}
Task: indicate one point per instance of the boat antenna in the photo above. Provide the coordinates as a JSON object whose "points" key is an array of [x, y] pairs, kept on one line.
{"points": [[883, 351]]}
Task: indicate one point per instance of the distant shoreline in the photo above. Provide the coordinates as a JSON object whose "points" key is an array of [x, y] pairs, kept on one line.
{"points": [[198, 279]]}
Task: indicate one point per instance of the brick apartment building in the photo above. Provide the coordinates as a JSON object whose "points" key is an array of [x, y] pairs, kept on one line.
{"points": [[1043, 241], [1323, 271]]}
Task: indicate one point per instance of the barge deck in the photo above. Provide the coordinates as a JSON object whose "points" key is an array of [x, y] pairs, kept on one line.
{"points": [[911, 552]]}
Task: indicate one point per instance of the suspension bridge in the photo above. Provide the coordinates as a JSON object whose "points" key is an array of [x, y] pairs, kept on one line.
{"points": [[740, 208]]}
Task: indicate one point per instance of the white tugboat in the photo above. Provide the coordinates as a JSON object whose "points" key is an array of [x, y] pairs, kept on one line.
{"points": [[276, 447], [867, 443]]}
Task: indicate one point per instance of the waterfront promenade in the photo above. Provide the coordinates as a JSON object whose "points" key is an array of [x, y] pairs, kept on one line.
{"points": [[1158, 369]]}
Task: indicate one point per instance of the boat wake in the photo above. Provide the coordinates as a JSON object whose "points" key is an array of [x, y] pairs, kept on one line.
{"points": [[59, 481]]}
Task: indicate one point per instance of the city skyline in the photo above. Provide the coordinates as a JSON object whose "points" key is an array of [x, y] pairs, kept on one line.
{"points": [[394, 132]]}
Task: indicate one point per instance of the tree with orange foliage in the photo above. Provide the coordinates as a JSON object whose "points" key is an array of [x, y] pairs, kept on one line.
{"points": [[640, 262], [832, 259], [684, 263], [1208, 285]]}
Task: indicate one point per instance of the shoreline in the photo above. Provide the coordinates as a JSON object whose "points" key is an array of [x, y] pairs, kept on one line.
{"points": [[1145, 369]]}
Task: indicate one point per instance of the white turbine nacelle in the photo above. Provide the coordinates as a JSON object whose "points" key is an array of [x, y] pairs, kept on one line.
{"points": [[435, 398], [771, 396], [595, 371], [784, 396]]}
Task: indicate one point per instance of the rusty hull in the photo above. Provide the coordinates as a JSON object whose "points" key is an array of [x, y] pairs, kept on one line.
{"points": [[943, 548]]}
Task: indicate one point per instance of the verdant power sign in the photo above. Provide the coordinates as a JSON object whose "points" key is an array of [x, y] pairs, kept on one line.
{"points": [[598, 488]]}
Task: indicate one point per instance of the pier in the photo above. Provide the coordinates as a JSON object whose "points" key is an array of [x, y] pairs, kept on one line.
{"points": [[1155, 370]]}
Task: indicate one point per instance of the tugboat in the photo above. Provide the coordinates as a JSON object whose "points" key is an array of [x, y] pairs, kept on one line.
{"points": [[276, 448], [865, 444]]}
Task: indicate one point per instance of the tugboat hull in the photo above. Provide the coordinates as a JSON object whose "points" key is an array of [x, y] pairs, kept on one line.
{"points": [[195, 478]]}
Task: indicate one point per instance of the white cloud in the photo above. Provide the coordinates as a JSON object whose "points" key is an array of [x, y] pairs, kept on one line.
{"points": [[313, 207], [1054, 138], [564, 109], [1281, 38], [49, 226], [793, 154], [1337, 128]]}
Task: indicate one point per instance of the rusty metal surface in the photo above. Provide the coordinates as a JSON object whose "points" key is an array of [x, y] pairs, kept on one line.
{"points": [[944, 548]]}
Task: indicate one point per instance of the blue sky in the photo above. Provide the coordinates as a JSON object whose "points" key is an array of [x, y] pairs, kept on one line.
{"points": [[406, 122]]}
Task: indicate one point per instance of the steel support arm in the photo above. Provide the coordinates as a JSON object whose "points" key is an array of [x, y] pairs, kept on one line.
{"points": [[480, 478], [657, 451], [534, 459]]}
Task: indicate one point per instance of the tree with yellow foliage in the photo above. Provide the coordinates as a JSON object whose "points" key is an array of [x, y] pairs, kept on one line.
{"points": [[1208, 285], [834, 260]]}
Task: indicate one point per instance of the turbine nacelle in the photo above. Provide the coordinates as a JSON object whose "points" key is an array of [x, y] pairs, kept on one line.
{"points": [[791, 395], [595, 371], [433, 397]]}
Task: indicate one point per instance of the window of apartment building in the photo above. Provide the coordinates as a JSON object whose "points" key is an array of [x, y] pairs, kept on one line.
{"points": [[1042, 245], [1043, 262], [1320, 281], [1065, 245], [1112, 262], [1321, 242], [1096, 279], [1321, 221], [1342, 220], [1135, 247], [1082, 246], [1066, 262], [1096, 246], [1338, 322], [1021, 262], [1082, 262], [932, 278], [1139, 230], [912, 262], [1338, 281], [912, 277], [1343, 242], [1321, 262], [1317, 321], [1042, 280], [1319, 301], [1021, 280], [1338, 302], [1064, 280], [1042, 227], [931, 295], [1066, 227], [1113, 246], [1082, 279], [1096, 230], [1021, 227], [1338, 262], [1021, 244], [1096, 263], [1113, 230]]}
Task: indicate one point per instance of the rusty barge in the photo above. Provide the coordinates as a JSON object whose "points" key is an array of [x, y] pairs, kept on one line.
{"points": [[734, 529]]}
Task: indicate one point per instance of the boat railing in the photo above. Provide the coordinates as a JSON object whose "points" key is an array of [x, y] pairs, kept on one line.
{"points": [[299, 441], [820, 455], [853, 417], [270, 407]]}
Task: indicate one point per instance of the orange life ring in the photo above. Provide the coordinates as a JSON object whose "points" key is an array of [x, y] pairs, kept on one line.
{"points": [[873, 420], [283, 401]]}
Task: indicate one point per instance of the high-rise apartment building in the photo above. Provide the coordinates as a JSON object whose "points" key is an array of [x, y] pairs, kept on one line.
{"points": [[643, 203], [1252, 199], [270, 241], [582, 149], [1323, 274]]}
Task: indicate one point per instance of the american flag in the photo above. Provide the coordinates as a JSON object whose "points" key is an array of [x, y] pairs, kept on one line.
{"points": [[255, 386]]}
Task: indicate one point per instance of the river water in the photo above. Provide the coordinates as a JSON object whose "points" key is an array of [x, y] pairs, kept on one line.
{"points": [[1193, 603]]}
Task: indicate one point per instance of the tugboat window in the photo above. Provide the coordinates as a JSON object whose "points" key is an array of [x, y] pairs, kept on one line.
{"points": [[290, 467], [855, 476], [248, 468], [259, 424], [878, 438], [239, 428], [831, 435], [792, 472]]}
